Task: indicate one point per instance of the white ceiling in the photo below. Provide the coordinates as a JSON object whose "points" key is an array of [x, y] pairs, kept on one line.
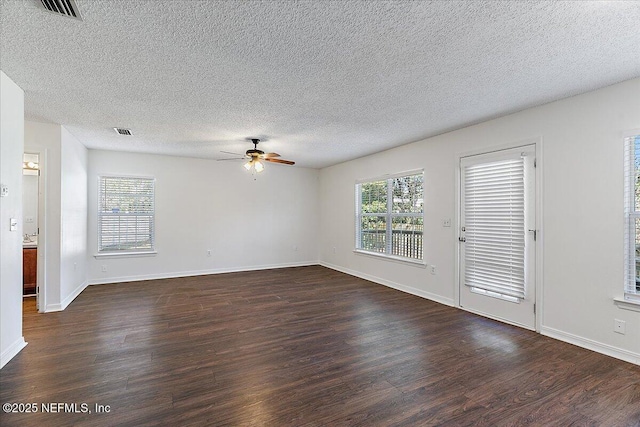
{"points": [[322, 82]]}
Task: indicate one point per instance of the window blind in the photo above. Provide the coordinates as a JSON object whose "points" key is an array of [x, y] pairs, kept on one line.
{"points": [[494, 227], [632, 216], [126, 219]]}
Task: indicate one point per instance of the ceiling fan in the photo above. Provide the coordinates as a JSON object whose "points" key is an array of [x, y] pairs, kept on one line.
{"points": [[255, 157]]}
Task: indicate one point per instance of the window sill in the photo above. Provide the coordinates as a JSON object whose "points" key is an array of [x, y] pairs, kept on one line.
{"points": [[125, 254], [626, 304], [414, 262]]}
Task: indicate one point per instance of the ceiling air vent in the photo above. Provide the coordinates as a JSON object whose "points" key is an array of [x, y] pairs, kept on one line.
{"points": [[123, 131], [62, 7]]}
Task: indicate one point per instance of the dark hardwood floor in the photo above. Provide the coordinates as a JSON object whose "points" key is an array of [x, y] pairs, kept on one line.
{"points": [[304, 346]]}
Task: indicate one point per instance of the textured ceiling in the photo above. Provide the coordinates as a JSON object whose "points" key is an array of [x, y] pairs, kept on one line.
{"points": [[321, 81]]}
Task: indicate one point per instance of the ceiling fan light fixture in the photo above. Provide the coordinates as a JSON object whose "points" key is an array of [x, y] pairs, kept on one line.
{"points": [[255, 158], [255, 164]]}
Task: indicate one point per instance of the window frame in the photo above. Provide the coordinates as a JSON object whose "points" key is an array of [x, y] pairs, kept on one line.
{"points": [[137, 251], [631, 215], [389, 216]]}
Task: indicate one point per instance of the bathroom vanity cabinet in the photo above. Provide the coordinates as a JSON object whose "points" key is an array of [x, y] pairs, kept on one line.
{"points": [[29, 270]]}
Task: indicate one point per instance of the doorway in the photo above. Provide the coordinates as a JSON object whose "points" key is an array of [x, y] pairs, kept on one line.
{"points": [[498, 235], [31, 243]]}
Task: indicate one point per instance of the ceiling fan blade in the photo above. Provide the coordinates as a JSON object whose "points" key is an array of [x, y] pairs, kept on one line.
{"points": [[285, 162], [270, 155], [229, 152], [232, 158]]}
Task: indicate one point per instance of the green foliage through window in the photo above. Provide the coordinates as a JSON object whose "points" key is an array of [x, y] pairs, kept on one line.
{"points": [[390, 216]]}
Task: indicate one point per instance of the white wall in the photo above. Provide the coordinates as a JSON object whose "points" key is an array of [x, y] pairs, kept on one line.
{"points": [[206, 205], [73, 218], [11, 149], [63, 232], [582, 167], [45, 139]]}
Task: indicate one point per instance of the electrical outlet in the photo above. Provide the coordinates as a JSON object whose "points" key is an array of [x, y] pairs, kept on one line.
{"points": [[208, 252], [619, 326], [433, 269], [104, 268], [446, 222], [29, 220]]}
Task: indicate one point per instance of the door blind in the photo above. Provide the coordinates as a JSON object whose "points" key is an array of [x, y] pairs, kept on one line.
{"points": [[495, 227], [126, 214]]}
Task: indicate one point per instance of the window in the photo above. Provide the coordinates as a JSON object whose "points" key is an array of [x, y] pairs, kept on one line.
{"points": [[390, 216], [126, 214], [632, 216]]}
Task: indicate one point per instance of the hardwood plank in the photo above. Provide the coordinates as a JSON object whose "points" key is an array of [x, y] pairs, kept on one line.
{"points": [[304, 346]]}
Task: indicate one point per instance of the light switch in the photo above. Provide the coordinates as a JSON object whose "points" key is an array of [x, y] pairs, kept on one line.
{"points": [[13, 224], [4, 190]]}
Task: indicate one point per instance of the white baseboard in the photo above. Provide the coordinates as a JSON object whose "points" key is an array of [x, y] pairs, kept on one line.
{"points": [[391, 284], [50, 308], [141, 277], [73, 295], [618, 353], [11, 351]]}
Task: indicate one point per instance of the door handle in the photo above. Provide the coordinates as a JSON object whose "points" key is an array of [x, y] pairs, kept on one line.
{"points": [[535, 234], [462, 239]]}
